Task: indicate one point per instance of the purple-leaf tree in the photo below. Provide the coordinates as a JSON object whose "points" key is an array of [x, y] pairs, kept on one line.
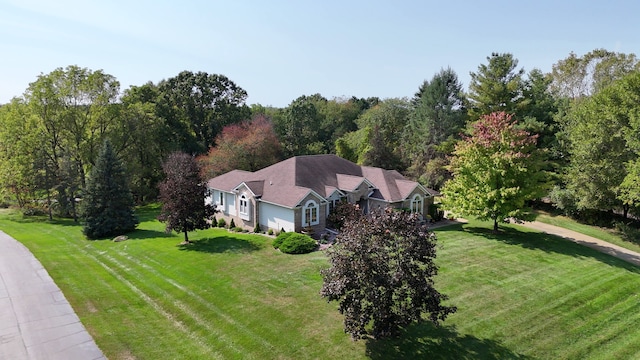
{"points": [[182, 194], [382, 270]]}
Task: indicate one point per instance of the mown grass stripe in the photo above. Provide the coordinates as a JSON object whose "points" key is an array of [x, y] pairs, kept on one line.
{"points": [[519, 294], [170, 300], [89, 252]]}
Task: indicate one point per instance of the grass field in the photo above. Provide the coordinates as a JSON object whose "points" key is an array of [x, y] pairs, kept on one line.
{"points": [[520, 294]]}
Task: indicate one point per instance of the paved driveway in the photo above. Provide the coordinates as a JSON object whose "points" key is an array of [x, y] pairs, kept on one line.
{"points": [[36, 321]]}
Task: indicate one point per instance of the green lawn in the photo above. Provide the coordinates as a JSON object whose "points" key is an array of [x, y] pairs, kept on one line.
{"points": [[520, 295], [593, 231]]}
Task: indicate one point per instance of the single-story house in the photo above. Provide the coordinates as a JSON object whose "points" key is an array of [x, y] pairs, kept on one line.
{"points": [[301, 191]]}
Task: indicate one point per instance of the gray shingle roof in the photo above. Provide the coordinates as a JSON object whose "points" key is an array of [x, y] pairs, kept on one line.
{"points": [[289, 181]]}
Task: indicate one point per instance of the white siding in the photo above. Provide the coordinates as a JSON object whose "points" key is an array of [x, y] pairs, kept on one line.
{"points": [[216, 200], [231, 204], [209, 199], [277, 217]]}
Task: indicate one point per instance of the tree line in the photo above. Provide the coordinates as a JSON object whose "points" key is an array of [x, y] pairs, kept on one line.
{"points": [[583, 114]]}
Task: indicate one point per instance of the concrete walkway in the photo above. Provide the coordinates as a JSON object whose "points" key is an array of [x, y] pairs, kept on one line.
{"points": [[36, 321]]}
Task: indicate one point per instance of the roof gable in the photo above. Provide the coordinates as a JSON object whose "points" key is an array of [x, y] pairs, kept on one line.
{"points": [[255, 186], [349, 182], [228, 181]]}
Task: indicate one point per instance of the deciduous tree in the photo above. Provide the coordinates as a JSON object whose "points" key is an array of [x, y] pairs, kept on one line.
{"points": [[107, 206], [300, 129], [197, 106], [182, 194], [74, 107], [19, 141], [146, 142], [496, 170], [377, 142], [251, 145], [581, 76], [381, 273], [603, 133]]}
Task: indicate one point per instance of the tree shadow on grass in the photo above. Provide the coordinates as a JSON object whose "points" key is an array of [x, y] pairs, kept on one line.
{"points": [[221, 244], [147, 213], [22, 219], [447, 228], [143, 234], [427, 341], [548, 243]]}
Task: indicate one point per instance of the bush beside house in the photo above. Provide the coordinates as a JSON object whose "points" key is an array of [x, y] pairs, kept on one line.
{"points": [[294, 243]]}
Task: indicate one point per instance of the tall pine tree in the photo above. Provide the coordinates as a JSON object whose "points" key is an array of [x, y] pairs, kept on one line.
{"points": [[107, 205], [497, 87]]}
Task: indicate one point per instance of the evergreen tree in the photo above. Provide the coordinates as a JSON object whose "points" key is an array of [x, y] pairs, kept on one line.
{"points": [[497, 87], [438, 116], [107, 205]]}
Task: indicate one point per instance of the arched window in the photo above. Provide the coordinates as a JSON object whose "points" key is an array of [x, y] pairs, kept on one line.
{"points": [[416, 204], [310, 213], [244, 206]]}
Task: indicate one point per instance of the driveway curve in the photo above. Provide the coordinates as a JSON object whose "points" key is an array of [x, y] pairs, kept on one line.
{"points": [[36, 320], [619, 252], [597, 244]]}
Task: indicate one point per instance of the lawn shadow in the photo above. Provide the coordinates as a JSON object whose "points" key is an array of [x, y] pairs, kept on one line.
{"points": [[548, 243], [147, 213], [427, 341], [23, 219], [143, 234], [457, 226], [221, 244]]}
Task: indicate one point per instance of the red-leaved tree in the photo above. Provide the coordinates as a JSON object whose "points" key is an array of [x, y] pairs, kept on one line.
{"points": [[382, 269], [250, 145], [182, 194], [496, 171]]}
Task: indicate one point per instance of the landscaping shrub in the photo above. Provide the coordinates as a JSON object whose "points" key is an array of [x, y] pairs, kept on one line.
{"points": [[222, 223], [214, 222], [236, 228], [232, 224], [435, 212], [29, 210], [270, 232], [280, 238], [298, 244], [257, 229], [628, 232]]}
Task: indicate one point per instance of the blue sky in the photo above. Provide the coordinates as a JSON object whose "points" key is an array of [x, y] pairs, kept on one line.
{"points": [[280, 50]]}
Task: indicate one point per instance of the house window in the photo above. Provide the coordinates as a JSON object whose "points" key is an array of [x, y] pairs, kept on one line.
{"points": [[310, 213], [416, 204], [244, 205], [221, 196]]}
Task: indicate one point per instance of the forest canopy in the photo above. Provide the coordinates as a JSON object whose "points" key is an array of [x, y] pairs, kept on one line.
{"points": [[583, 114]]}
